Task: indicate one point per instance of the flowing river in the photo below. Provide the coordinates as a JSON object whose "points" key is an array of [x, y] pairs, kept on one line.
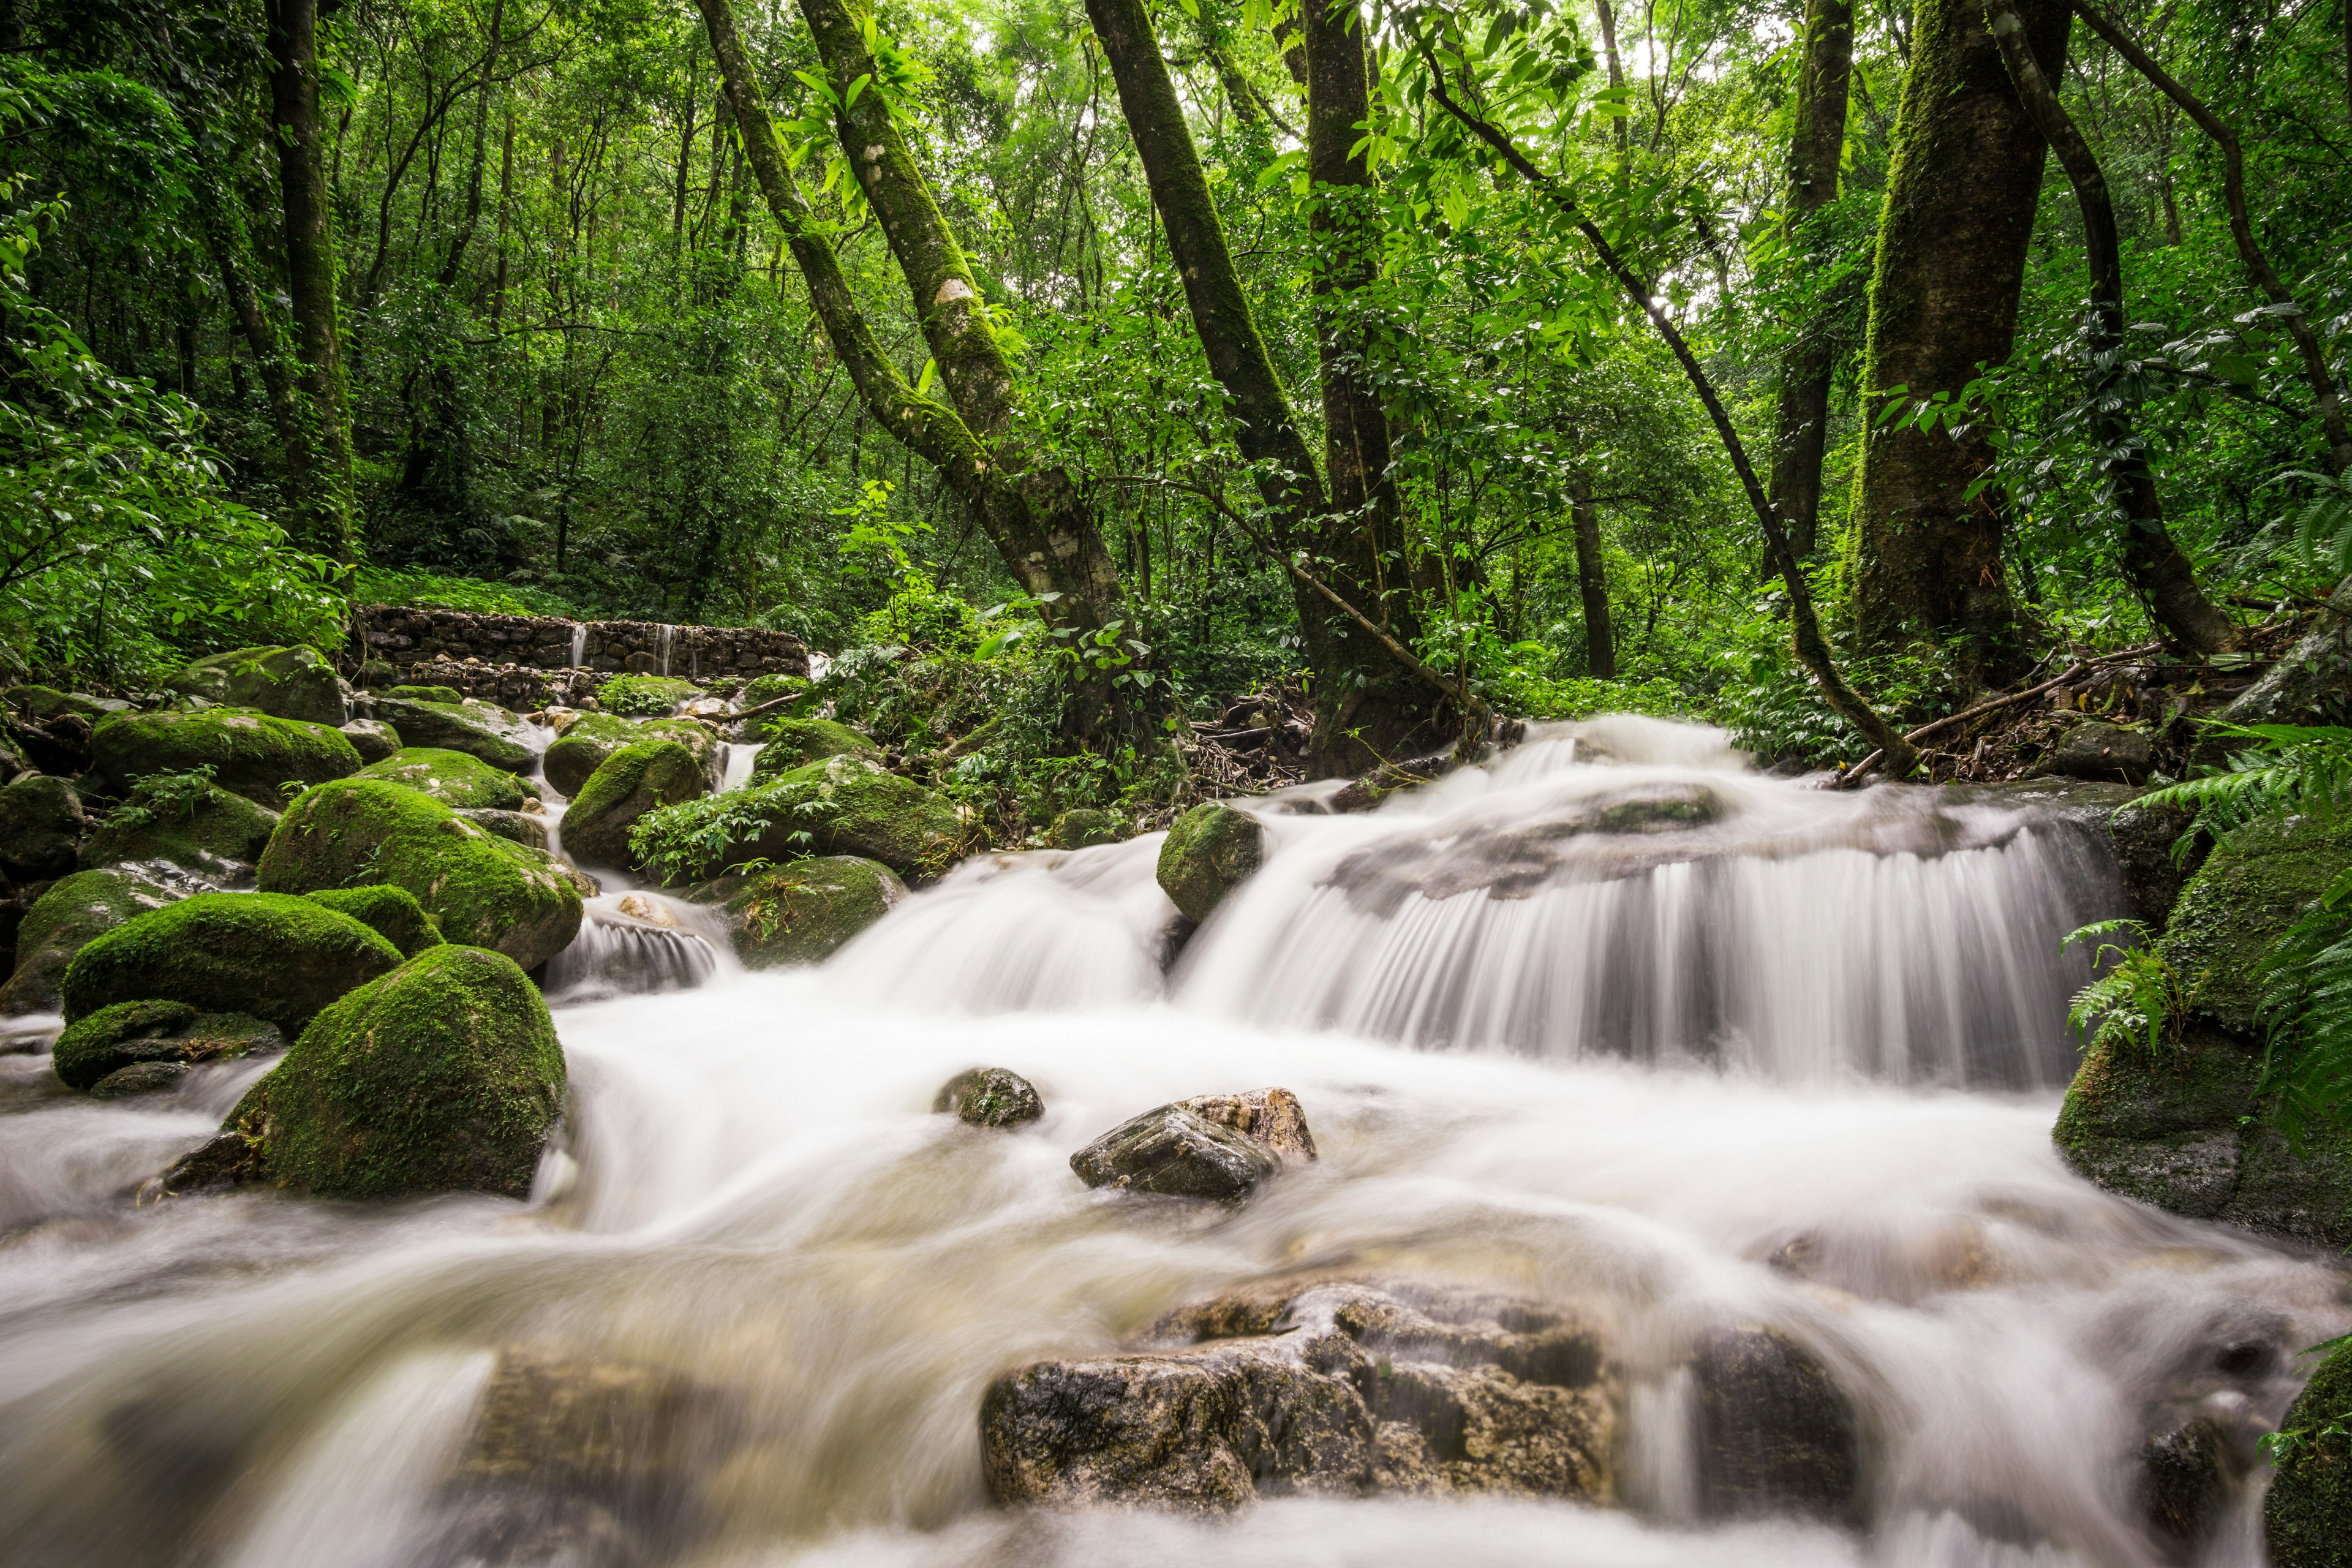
{"points": [[1612, 1021]]}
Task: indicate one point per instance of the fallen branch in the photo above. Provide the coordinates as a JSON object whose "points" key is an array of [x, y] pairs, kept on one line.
{"points": [[1848, 780]]}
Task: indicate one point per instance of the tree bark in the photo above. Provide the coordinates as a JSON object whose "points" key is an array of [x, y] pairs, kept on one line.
{"points": [[2152, 561], [1592, 578], [325, 522], [1960, 197], [1800, 425]]}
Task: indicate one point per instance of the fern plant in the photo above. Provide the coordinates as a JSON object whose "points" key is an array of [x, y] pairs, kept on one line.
{"points": [[2141, 997]]}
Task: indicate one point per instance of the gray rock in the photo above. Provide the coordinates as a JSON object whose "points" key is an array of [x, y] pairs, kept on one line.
{"points": [[1217, 1146], [2092, 750], [514, 826], [2313, 684], [1774, 1432], [138, 1079], [373, 739], [41, 828], [989, 1097]]}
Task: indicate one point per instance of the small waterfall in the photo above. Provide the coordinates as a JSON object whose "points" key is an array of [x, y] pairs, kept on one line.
{"points": [[664, 636], [736, 759], [631, 944], [579, 644]]}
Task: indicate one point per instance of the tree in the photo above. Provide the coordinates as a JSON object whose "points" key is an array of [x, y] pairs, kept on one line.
{"points": [[1816, 145]]}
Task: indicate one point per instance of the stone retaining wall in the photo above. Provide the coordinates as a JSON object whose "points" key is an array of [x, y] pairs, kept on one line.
{"points": [[544, 658]]}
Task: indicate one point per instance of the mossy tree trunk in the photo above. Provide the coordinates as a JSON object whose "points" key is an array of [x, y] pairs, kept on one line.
{"points": [[325, 505], [1593, 581], [1800, 424], [2152, 560], [1960, 197]]}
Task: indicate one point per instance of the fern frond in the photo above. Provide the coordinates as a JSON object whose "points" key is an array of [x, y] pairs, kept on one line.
{"points": [[2306, 1002]]}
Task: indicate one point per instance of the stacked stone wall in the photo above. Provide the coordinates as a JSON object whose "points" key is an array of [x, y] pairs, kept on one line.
{"points": [[530, 661]]}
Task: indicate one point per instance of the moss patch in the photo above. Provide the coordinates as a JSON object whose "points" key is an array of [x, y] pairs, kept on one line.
{"points": [[484, 891], [276, 958], [393, 913], [453, 778], [448, 694], [2307, 1518], [1208, 852], [220, 835], [646, 696], [62, 920], [796, 742], [2248, 893], [288, 682], [41, 826], [632, 782], [113, 1037], [843, 806], [804, 913], [251, 754], [593, 737], [480, 729], [442, 1076]]}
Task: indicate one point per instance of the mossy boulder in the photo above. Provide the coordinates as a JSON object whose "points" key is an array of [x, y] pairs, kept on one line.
{"points": [[646, 696], [802, 913], [2188, 1133], [989, 1097], [43, 703], [2251, 888], [521, 827], [74, 910], [372, 738], [453, 778], [442, 1076], [286, 682], [279, 959], [2307, 1517], [393, 913], [218, 836], [41, 828], [448, 694], [1083, 827], [251, 754], [845, 806], [483, 890], [765, 688], [481, 730], [592, 738], [632, 782], [795, 743], [1209, 852], [156, 1036]]}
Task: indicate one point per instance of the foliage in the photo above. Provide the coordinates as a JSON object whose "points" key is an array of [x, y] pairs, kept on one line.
{"points": [[643, 696], [2141, 999], [165, 796]]}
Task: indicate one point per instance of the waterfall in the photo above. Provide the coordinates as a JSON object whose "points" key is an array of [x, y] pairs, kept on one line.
{"points": [[736, 760], [631, 944], [579, 644], [663, 636]]}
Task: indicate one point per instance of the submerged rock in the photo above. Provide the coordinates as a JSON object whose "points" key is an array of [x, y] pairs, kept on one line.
{"points": [[75, 909], [441, 1076], [1209, 852], [285, 682], [989, 1097], [453, 778], [629, 784], [393, 913], [279, 959], [1316, 1389], [41, 828], [591, 738], [251, 754], [802, 913], [218, 835], [1773, 1432], [2307, 1517], [2186, 1477], [456, 723], [1217, 1146]]}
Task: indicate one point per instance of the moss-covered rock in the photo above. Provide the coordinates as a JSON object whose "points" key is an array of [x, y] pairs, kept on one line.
{"points": [[393, 913], [482, 890], [1208, 853], [286, 682], [795, 743], [632, 782], [453, 778], [73, 911], [515, 827], [847, 806], [448, 694], [2307, 1517], [1083, 827], [154, 1035], [442, 1076], [43, 703], [765, 688], [480, 729], [646, 696], [251, 754], [41, 828], [989, 1097], [802, 913], [217, 835], [373, 739], [592, 738], [2249, 889], [279, 959]]}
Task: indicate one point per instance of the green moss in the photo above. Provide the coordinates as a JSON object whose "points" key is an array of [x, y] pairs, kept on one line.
{"points": [[843, 806], [114, 1037], [802, 913], [43, 703], [2249, 889], [75, 909], [219, 835], [41, 826], [442, 1076], [796, 742], [290, 682], [446, 694], [768, 687], [251, 753], [646, 696], [1082, 828], [482, 890], [453, 778], [276, 958], [393, 913], [480, 729], [634, 780], [593, 737], [2307, 1517], [1208, 851]]}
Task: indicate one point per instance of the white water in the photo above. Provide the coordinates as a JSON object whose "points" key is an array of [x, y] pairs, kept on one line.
{"points": [[736, 760], [752, 1200], [579, 644]]}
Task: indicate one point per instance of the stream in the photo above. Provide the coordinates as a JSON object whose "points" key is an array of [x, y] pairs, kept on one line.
{"points": [[1613, 1021]]}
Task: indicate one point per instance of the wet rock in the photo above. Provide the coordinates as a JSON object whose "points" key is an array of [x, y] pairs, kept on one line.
{"points": [[442, 1076], [1218, 1146], [2187, 1479], [481, 730], [2307, 1516], [795, 743], [515, 827], [217, 835], [482, 890], [629, 784], [1209, 852], [2097, 750], [373, 739], [802, 913], [279, 959], [225, 1159], [393, 913], [139, 1078], [1320, 1389], [251, 754], [41, 828], [989, 1097], [453, 778], [1083, 828], [588, 738], [1773, 1432], [2141, 837], [75, 909], [284, 682], [2254, 885]]}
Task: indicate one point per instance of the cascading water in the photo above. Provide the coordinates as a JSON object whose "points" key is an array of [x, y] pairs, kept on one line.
{"points": [[664, 637], [748, 1313], [579, 644], [736, 761]]}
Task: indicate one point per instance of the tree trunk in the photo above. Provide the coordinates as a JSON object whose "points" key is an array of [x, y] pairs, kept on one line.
{"points": [[1943, 300], [325, 522], [1592, 578], [2152, 561], [1800, 426]]}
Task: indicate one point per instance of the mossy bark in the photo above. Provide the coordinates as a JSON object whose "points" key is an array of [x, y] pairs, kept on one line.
{"points": [[1960, 198]]}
